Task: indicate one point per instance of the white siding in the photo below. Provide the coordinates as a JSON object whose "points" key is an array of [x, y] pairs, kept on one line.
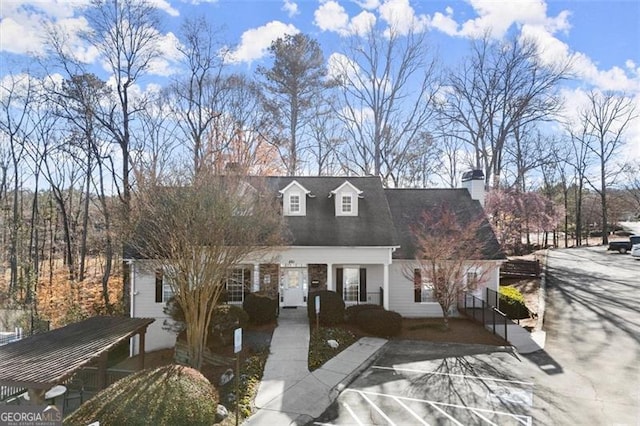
{"points": [[144, 306], [401, 295]]}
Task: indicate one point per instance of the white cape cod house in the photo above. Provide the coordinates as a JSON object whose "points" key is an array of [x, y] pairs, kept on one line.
{"points": [[347, 234]]}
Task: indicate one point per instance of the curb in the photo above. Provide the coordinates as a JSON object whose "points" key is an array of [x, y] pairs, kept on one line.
{"points": [[542, 293], [335, 391]]}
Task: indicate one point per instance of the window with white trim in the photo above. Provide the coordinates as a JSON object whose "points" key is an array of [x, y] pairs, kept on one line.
{"points": [[351, 287], [294, 203], [164, 290], [423, 288], [347, 204], [238, 281]]}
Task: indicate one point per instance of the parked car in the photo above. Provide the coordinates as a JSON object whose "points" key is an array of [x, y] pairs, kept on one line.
{"points": [[635, 251], [624, 246]]}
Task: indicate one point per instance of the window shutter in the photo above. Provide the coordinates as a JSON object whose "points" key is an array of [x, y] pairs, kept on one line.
{"points": [[417, 286], [363, 284], [159, 289], [339, 281]]}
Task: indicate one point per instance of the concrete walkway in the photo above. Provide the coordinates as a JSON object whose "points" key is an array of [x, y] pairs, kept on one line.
{"points": [[288, 393]]}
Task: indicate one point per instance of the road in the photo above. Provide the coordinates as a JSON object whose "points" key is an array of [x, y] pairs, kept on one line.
{"points": [[588, 374], [592, 352]]}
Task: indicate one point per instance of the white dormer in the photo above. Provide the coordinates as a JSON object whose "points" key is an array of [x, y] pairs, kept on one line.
{"points": [[346, 199], [294, 199]]}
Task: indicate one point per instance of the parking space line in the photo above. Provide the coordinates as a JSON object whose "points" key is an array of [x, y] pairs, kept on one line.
{"points": [[524, 419], [366, 398], [483, 418], [464, 376], [445, 413], [413, 413], [353, 415]]}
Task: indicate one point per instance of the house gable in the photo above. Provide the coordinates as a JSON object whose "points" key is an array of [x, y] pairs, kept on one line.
{"points": [[346, 198], [294, 199]]}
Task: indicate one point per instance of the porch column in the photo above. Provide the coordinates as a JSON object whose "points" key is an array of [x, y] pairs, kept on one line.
{"points": [[256, 277], [102, 370], [385, 286], [329, 276]]}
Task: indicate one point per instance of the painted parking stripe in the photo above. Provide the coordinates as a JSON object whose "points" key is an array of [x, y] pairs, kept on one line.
{"points": [[375, 407], [413, 413], [524, 419], [445, 413], [353, 415], [483, 418], [464, 376]]}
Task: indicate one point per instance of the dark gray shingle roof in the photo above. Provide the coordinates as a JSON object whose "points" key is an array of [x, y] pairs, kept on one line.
{"points": [[372, 227], [408, 205]]}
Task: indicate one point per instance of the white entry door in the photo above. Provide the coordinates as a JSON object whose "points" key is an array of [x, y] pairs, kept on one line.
{"points": [[293, 287]]}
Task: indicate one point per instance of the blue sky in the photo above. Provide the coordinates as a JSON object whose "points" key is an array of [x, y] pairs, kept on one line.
{"points": [[602, 36]]}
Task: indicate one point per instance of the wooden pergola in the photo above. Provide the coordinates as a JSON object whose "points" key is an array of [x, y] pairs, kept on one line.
{"points": [[42, 361]]}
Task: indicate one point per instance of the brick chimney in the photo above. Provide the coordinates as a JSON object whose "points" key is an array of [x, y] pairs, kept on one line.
{"points": [[473, 181]]}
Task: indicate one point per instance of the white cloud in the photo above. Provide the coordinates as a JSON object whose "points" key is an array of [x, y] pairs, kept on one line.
{"points": [[362, 23], [368, 4], [165, 7], [400, 16], [164, 65], [331, 16], [444, 23], [290, 7], [498, 17], [255, 42]]}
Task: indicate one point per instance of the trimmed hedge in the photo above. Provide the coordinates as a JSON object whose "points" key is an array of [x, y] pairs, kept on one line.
{"points": [[261, 309], [380, 322], [170, 395], [331, 307], [512, 303], [353, 311], [226, 318]]}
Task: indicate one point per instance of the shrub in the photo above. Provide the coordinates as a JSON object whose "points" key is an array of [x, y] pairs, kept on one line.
{"points": [[331, 307], [320, 352], [169, 395], [380, 322], [512, 303], [352, 312], [261, 309], [226, 318]]}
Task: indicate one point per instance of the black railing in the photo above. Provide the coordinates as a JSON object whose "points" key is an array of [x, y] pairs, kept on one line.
{"points": [[480, 311], [514, 311]]}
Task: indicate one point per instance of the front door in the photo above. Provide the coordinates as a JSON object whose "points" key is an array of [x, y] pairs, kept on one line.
{"points": [[293, 287]]}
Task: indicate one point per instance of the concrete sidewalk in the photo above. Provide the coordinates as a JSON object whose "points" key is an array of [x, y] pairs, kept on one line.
{"points": [[288, 393]]}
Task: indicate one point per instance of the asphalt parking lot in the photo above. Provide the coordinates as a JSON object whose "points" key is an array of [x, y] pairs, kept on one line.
{"points": [[418, 383]]}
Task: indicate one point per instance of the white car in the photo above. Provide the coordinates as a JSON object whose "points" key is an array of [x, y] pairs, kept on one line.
{"points": [[635, 251]]}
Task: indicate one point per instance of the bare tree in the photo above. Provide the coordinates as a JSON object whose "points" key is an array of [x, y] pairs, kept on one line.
{"points": [[17, 97], [125, 32], [294, 83], [388, 83], [197, 233], [449, 252], [499, 88], [605, 120], [196, 94], [526, 151]]}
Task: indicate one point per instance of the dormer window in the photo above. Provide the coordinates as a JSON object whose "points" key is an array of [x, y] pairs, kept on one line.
{"points": [[346, 204], [346, 199], [294, 199]]}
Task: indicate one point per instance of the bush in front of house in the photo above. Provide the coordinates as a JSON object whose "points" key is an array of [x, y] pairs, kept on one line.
{"points": [[261, 309], [353, 311], [512, 303], [380, 323], [169, 395], [331, 307], [225, 319]]}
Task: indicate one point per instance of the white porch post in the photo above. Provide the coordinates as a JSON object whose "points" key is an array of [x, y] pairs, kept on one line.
{"points": [[256, 277], [330, 276], [385, 286]]}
